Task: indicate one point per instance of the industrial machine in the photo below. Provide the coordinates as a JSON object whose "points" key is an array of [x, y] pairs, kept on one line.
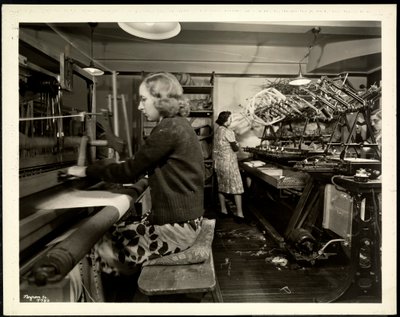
{"points": [[343, 167], [61, 218]]}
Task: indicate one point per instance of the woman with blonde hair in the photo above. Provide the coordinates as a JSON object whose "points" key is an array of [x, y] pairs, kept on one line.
{"points": [[172, 158]]}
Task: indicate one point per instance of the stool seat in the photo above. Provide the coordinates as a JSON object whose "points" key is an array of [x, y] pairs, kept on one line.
{"points": [[190, 271], [178, 279]]}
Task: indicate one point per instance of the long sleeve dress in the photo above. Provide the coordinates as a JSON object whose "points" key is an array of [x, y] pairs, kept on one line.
{"points": [[226, 162]]}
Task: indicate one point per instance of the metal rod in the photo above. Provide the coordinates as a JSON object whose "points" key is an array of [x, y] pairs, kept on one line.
{"points": [[328, 243], [316, 96], [115, 103], [40, 69], [82, 151], [343, 153], [330, 143], [308, 104], [109, 104], [81, 114], [127, 126], [92, 128], [336, 97], [115, 107], [345, 89]]}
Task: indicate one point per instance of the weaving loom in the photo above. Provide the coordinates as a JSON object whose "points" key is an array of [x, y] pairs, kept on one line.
{"points": [[61, 218]]}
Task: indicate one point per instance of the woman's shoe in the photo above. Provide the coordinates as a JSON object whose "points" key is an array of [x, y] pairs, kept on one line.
{"points": [[223, 215], [240, 220]]}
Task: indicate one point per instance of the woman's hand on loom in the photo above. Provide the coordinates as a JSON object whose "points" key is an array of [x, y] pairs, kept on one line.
{"points": [[79, 171]]}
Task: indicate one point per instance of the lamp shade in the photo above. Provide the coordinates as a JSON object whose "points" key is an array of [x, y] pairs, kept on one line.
{"points": [[152, 30], [300, 80], [94, 71]]}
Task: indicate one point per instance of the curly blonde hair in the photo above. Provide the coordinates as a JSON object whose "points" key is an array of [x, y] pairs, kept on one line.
{"points": [[168, 92]]}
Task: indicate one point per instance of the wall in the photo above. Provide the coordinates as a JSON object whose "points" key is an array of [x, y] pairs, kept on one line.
{"points": [[375, 78], [78, 97], [233, 94]]}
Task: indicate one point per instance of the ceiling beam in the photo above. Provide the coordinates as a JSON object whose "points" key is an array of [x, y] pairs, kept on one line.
{"points": [[329, 27]]}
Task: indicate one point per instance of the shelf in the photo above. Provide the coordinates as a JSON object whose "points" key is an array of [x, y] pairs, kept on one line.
{"points": [[198, 103], [197, 89]]}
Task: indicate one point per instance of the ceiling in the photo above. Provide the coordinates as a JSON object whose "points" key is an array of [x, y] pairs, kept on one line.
{"points": [[294, 37], [231, 33]]}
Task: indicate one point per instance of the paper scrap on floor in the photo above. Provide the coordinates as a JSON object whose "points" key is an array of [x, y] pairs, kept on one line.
{"points": [[255, 163]]}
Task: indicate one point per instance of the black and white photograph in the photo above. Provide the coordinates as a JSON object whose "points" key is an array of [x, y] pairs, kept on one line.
{"points": [[199, 159]]}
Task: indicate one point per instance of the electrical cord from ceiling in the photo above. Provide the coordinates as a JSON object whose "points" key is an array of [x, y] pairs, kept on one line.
{"points": [[300, 80], [315, 30], [66, 39], [92, 69]]}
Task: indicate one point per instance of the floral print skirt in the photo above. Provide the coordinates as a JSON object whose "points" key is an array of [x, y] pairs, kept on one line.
{"points": [[228, 176], [130, 243]]}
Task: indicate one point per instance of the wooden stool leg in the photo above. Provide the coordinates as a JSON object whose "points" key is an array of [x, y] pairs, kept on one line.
{"points": [[216, 293]]}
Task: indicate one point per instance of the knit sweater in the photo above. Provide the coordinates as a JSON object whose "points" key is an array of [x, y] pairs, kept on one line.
{"points": [[173, 159]]}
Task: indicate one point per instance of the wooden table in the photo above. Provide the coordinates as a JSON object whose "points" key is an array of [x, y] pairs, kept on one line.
{"points": [[280, 178]]}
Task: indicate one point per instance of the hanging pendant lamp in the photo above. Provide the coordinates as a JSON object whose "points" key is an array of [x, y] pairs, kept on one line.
{"points": [[152, 30], [92, 69], [300, 80]]}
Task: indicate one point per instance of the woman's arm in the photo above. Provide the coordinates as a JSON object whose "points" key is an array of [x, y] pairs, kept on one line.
{"points": [[230, 137], [234, 146], [158, 146]]}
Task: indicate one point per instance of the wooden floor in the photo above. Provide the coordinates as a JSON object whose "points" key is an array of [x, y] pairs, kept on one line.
{"points": [[246, 271], [243, 257]]}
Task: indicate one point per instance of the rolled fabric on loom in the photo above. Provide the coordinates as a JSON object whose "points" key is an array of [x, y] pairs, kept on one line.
{"points": [[61, 259]]}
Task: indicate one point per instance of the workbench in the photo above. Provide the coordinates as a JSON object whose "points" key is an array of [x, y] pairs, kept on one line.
{"points": [[274, 175], [292, 216], [364, 275], [280, 179]]}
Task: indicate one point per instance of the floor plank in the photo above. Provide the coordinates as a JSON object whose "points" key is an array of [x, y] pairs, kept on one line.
{"points": [[243, 256]]}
